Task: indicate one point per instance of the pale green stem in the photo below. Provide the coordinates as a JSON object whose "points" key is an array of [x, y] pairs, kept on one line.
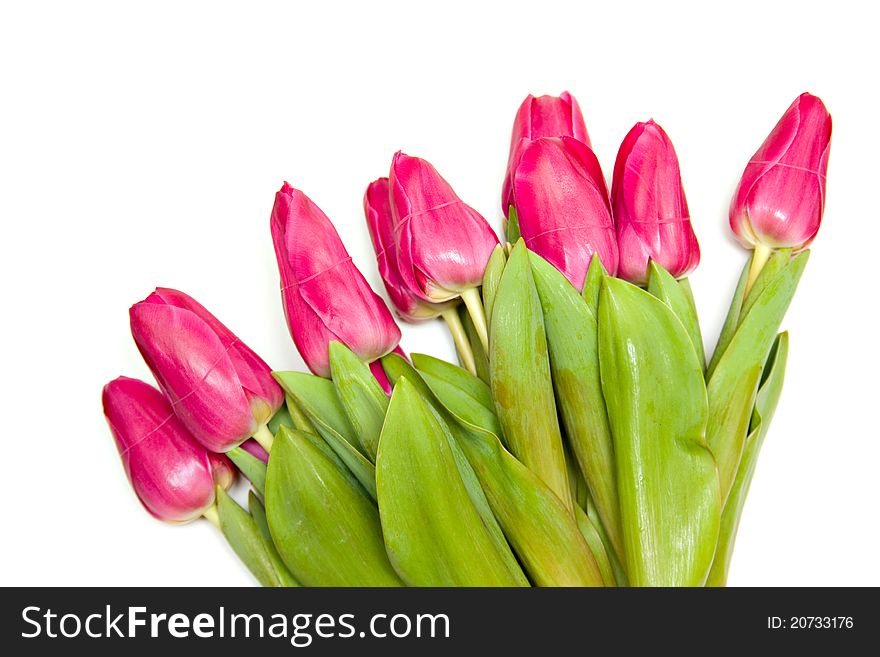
{"points": [[263, 435], [760, 257], [462, 346], [212, 514], [474, 306]]}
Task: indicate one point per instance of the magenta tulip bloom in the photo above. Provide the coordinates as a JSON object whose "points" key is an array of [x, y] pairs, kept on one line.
{"points": [[222, 470], [380, 223], [325, 297], [544, 116], [650, 209], [562, 204], [781, 196], [168, 469], [220, 389], [443, 244]]}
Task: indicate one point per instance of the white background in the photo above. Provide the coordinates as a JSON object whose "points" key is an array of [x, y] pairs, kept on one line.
{"points": [[142, 144]]}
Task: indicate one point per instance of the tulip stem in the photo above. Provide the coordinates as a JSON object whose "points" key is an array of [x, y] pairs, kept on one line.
{"points": [[462, 346], [760, 256], [471, 298], [263, 435], [212, 515]]}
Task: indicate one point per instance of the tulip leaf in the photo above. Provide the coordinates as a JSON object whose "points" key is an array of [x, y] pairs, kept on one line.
{"points": [[667, 482], [325, 526], [258, 513], [520, 376], [765, 407], [251, 467], [733, 384], [318, 400], [597, 547], [775, 264], [481, 361], [281, 417], [244, 538], [512, 231], [491, 279], [679, 297], [572, 337], [730, 322], [433, 532], [596, 273], [361, 395]]}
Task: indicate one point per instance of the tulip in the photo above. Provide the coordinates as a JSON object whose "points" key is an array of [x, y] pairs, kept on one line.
{"points": [[781, 195], [168, 469], [380, 223], [544, 116], [443, 244], [563, 208], [325, 297], [256, 450], [650, 209], [222, 470], [220, 389]]}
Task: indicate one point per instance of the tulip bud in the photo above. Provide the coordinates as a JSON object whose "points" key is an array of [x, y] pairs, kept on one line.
{"points": [[650, 209], [256, 450], [222, 470], [380, 223], [562, 205], [544, 116], [325, 297], [781, 195], [169, 471], [220, 389], [443, 244]]}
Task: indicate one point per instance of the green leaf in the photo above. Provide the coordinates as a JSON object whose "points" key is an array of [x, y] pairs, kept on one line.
{"points": [[325, 526], [734, 382], [244, 537], [258, 513], [775, 264], [491, 279], [433, 533], [361, 395], [666, 478], [481, 360], [540, 529], [512, 231], [596, 273], [678, 296], [572, 337], [520, 376], [318, 399], [281, 417], [765, 407], [251, 467], [597, 547]]}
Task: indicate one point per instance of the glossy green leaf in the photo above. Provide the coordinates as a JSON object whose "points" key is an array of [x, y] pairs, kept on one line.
{"points": [[433, 532], [325, 526], [597, 547], [318, 400], [734, 382], [667, 482], [678, 296], [512, 230], [251, 467], [520, 375], [361, 395], [281, 417], [765, 407], [244, 538], [775, 264], [572, 338], [491, 279], [258, 513], [596, 273]]}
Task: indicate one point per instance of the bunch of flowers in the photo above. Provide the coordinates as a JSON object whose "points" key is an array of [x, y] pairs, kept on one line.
{"points": [[584, 439]]}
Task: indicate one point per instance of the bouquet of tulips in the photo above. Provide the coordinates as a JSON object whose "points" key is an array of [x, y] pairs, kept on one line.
{"points": [[582, 440]]}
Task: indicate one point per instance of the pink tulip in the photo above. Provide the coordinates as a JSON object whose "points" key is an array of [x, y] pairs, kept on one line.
{"points": [[781, 196], [562, 204], [255, 449], [544, 116], [220, 389], [222, 470], [443, 244], [325, 296], [650, 209], [168, 469], [380, 223]]}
